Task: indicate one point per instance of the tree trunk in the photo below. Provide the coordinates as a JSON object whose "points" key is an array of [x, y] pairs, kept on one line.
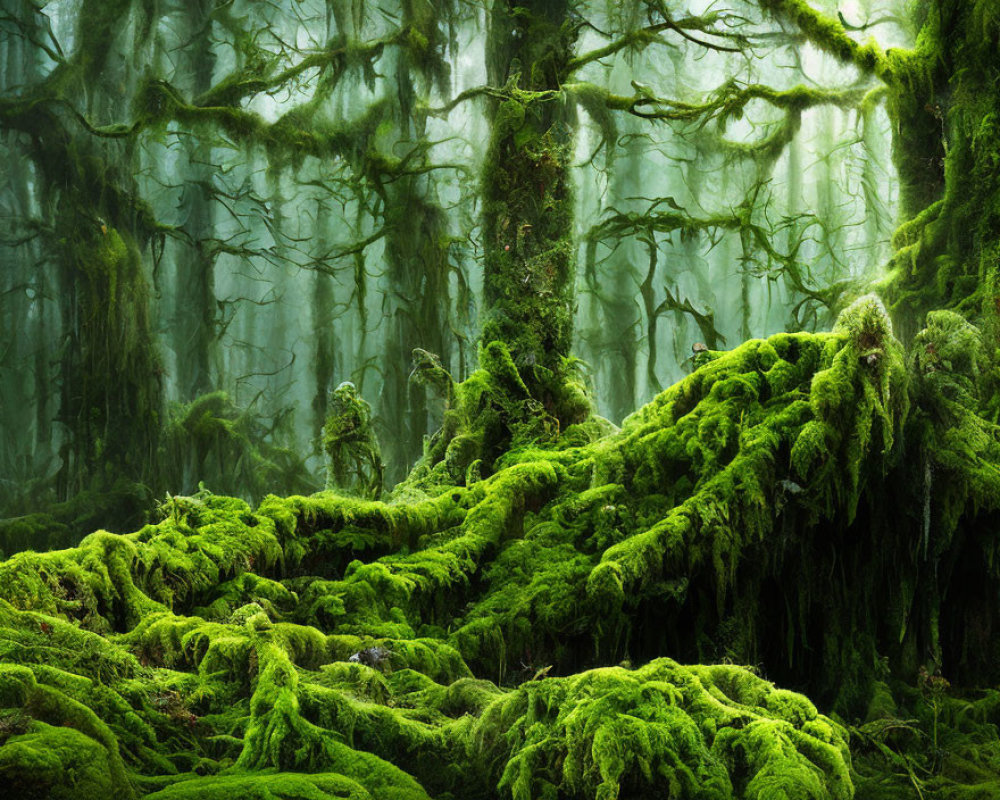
{"points": [[529, 254], [946, 112], [193, 324]]}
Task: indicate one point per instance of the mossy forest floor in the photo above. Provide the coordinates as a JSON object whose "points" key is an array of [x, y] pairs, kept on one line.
{"points": [[528, 621]]}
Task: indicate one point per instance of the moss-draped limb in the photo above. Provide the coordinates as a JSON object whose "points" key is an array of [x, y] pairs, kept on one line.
{"points": [[639, 39], [727, 102], [693, 119], [827, 33], [257, 77]]}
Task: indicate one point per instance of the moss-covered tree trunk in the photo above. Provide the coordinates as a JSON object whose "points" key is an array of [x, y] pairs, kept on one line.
{"points": [[529, 252], [109, 373], [110, 387], [943, 100]]}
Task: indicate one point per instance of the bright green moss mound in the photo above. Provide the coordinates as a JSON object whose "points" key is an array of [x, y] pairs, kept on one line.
{"points": [[456, 642], [283, 786], [685, 732], [59, 763]]}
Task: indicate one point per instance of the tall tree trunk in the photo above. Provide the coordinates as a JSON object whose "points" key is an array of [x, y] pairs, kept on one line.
{"points": [[945, 108], [109, 372], [529, 253], [193, 325]]}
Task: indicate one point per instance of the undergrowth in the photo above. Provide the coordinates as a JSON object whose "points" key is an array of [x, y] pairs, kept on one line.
{"points": [[819, 506]]}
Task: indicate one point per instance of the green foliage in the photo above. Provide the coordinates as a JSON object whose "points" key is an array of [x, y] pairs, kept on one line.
{"points": [[330, 646], [57, 762], [211, 441]]}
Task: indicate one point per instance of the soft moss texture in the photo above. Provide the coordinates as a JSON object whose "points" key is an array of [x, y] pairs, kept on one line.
{"points": [[815, 511], [453, 642]]}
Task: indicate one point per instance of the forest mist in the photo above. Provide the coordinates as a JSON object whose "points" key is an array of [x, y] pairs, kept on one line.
{"points": [[273, 274], [499, 399]]}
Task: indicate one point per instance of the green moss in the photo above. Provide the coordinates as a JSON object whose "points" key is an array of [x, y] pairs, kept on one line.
{"points": [[827, 33], [57, 762], [442, 642], [265, 787], [707, 732], [80, 758], [811, 503], [353, 459]]}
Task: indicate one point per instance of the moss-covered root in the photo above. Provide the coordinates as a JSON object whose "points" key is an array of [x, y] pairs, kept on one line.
{"points": [[665, 729], [280, 737], [53, 761]]}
